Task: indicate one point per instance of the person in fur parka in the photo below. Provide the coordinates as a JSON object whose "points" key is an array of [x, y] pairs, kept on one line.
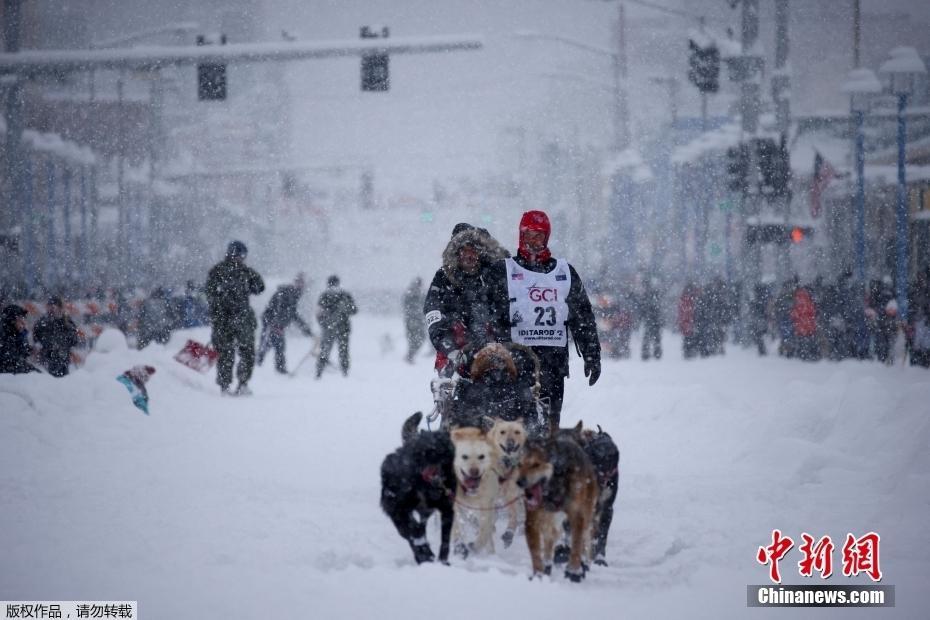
{"points": [[457, 306]]}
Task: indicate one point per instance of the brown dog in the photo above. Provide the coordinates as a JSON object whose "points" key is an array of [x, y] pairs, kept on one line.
{"points": [[557, 477]]}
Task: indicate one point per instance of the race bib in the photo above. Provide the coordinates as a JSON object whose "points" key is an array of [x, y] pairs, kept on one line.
{"points": [[538, 304]]}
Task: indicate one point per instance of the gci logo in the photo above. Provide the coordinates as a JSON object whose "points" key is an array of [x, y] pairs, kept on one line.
{"points": [[538, 294]]}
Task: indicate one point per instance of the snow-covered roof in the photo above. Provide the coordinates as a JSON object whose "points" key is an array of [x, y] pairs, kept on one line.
{"points": [[631, 162], [55, 144], [708, 142]]}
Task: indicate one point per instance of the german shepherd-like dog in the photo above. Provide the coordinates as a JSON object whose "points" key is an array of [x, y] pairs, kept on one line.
{"points": [[557, 477], [416, 480]]}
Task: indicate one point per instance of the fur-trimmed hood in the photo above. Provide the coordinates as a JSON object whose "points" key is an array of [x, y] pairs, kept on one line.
{"points": [[494, 356], [489, 251]]}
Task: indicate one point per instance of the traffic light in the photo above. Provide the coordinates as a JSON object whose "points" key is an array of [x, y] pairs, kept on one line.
{"points": [[799, 234], [376, 75], [704, 65], [777, 234], [738, 168], [774, 167], [211, 77]]}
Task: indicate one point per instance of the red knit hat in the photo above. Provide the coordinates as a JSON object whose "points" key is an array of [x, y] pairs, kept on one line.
{"points": [[535, 221]]}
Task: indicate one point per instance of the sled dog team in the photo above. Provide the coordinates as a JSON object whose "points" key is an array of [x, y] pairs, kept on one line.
{"points": [[564, 485]]}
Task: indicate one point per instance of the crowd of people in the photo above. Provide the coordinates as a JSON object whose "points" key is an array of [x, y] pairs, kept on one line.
{"points": [[469, 303], [806, 321], [55, 334]]}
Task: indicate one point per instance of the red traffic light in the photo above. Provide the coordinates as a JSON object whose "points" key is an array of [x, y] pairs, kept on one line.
{"points": [[797, 234]]}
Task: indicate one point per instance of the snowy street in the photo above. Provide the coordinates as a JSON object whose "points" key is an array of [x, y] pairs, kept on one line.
{"points": [[267, 506]]}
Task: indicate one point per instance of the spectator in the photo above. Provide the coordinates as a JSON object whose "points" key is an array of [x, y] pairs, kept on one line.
{"points": [[14, 341], [414, 325], [57, 335], [335, 307], [281, 312], [229, 285]]}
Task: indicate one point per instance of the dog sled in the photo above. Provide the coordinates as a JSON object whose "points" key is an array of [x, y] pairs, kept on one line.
{"points": [[477, 374]]}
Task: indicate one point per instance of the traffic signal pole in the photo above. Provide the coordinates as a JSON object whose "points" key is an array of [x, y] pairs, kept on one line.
{"points": [[17, 66]]}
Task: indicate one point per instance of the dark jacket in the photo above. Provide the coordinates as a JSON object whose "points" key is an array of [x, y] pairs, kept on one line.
{"points": [[282, 309], [650, 308], [228, 287], [457, 307], [505, 393], [412, 304], [580, 321], [335, 307], [58, 336], [14, 343]]}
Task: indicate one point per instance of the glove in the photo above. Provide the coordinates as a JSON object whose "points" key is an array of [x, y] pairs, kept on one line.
{"points": [[592, 370], [456, 358]]}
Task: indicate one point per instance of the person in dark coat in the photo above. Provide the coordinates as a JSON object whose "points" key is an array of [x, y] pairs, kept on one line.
{"points": [[14, 341], [412, 304], [650, 311], [155, 320], [537, 299], [499, 385], [885, 321], [759, 317], [335, 306], [687, 308], [457, 309], [229, 284], [281, 312], [57, 335]]}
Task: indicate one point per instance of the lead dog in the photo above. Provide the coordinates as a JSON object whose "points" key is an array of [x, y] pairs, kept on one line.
{"points": [[557, 477], [508, 439], [477, 488], [417, 479]]}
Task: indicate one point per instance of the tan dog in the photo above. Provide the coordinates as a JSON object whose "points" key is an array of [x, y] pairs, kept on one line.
{"points": [[508, 439], [557, 477], [477, 488]]}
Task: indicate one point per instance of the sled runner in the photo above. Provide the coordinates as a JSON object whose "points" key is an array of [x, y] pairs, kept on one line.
{"points": [[200, 357]]}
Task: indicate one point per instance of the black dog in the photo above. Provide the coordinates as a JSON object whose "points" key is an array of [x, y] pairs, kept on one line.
{"points": [[605, 456], [419, 477]]}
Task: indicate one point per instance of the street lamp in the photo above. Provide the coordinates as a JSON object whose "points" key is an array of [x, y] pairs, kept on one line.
{"points": [[861, 86], [902, 69]]}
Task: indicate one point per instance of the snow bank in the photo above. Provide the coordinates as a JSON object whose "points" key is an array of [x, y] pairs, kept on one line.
{"points": [[268, 506]]}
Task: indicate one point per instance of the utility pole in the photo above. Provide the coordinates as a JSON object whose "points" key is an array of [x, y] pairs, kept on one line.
{"points": [[16, 190], [749, 100], [857, 26], [781, 79], [781, 83], [622, 71]]}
